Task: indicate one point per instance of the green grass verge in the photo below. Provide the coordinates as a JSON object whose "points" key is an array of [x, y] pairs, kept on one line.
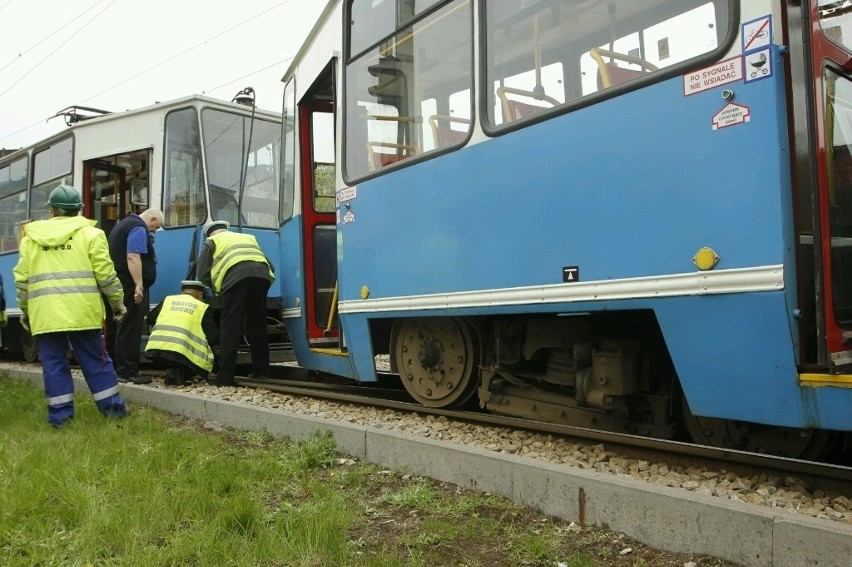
{"points": [[158, 490]]}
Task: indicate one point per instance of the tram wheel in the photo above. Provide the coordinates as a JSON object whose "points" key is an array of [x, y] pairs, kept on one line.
{"points": [[29, 347], [806, 444], [436, 359]]}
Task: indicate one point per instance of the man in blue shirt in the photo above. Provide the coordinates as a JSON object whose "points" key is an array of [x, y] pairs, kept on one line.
{"points": [[131, 247]]}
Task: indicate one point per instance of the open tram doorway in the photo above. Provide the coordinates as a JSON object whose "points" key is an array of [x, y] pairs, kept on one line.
{"points": [[115, 186], [318, 174], [825, 208]]}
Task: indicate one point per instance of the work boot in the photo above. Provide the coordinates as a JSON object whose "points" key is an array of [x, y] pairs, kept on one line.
{"points": [[222, 381], [174, 377]]}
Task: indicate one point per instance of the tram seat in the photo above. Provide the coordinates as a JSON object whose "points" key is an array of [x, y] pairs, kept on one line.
{"points": [[610, 74], [515, 110], [379, 159], [445, 135]]}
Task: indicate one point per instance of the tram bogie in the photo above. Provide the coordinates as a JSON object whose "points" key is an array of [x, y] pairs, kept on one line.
{"points": [[603, 371]]}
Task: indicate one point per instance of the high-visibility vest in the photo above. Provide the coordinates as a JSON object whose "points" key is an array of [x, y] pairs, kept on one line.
{"points": [[231, 249], [63, 268], [178, 329]]}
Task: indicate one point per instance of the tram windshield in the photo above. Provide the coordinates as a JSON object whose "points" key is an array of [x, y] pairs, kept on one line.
{"points": [[242, 164], [242, 168]]}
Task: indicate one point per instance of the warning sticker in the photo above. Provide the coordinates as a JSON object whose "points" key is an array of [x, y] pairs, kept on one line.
{"points": [[347, 194], [731, 115], [722, 73]]}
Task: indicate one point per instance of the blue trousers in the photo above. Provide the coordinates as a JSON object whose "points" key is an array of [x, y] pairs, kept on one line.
{"points": [[97, 369]]}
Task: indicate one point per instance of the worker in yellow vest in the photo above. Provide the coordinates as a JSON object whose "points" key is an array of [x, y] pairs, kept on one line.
{"points": [[238, 271], [63, 268], [182, 335]]}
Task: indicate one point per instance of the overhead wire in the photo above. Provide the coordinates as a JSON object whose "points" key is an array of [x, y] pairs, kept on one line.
{"points": [[185, 51], [58, 47], [48, 36], [166, 61], [223, 85]]}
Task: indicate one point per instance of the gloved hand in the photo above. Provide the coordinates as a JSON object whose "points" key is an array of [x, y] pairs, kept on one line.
{"points": [[25, 322], [118, 311]]}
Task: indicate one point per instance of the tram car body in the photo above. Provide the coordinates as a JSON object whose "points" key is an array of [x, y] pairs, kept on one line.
{"points": [[196, 158], [634, 216]]}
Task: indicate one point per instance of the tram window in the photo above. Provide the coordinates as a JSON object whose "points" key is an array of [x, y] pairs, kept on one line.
{"points": [[322, 130], [13, 177], [516, 100], [449, 122], [288, 152], [369, 21], [13, 202], [242, 168], [836, 21], [838, 127], [40, 195], [183, 186], [391, 87], [543, 54], [51, 167], [372, 20], [52, 162]]}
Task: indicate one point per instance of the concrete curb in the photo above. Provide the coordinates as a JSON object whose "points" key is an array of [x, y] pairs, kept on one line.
{"points": [[659, 516]]}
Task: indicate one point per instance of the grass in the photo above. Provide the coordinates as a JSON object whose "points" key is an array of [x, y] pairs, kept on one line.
{"points": [[155, 489]]}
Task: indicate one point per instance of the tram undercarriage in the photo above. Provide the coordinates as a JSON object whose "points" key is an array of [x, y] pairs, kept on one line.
{"points": [[608, 371]]}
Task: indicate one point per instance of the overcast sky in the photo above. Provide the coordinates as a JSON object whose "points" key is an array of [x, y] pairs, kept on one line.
{"points": [[121, 54]]}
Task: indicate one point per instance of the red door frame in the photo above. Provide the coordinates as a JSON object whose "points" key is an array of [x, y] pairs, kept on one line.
{"points": [[825, 51], [311, 218]]}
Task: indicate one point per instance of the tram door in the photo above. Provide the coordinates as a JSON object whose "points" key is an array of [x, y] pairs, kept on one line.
{"points": [[831, 38], [316, 118], [114, 186], [105, 185]]}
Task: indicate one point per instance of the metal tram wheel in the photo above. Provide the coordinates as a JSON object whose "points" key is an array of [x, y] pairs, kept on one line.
{"points": [[806, 444], [436, 359]]}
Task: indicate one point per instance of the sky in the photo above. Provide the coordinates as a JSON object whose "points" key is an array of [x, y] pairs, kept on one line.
{"points": [[117, 55]]}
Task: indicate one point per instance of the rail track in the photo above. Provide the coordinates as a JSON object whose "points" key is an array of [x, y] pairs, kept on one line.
{"points": [[828, 477]]}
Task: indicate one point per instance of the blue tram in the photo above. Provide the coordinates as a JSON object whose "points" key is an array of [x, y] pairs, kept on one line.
{"points": [[195, 158], [632, 216]]}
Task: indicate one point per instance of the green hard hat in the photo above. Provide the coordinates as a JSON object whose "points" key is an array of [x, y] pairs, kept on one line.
{"points": [[65, 197]]}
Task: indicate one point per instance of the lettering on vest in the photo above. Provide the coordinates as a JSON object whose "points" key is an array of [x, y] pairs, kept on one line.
{"points": [[183, 307], [59, 247]]}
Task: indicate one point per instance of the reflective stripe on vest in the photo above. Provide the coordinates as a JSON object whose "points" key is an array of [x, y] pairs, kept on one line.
{"points": [[178, 329], [231, 249]]}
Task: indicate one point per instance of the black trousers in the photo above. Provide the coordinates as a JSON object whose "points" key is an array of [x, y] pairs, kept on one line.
{"points": [[128, 335], [168, 359], [244, 308]]}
